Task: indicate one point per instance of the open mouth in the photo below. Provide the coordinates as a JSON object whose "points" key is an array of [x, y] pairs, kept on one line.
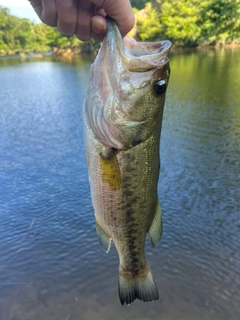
{"points": [[140, 49], [136, 56], [145, 56]]}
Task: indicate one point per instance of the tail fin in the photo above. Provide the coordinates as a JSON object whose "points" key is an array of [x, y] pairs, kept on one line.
{"points": [[141, 286]]}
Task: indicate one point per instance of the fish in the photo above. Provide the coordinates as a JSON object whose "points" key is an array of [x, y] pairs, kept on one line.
{"points": [[122, 117]]}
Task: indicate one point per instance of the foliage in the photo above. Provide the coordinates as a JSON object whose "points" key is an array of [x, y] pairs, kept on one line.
{"points": [[220, 21], [180, 20], [17, 35], [20, 34], [138, 4], [148, 24], [190, 22]]}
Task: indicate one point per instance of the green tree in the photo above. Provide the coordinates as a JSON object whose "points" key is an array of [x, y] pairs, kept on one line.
{"points": [[180, 21], [20, 34], [148, 24], [139, 4], [220, 21], [189, 22]]}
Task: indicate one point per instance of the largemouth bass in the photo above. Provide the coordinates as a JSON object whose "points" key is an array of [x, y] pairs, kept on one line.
{"points": [[122, 115]]}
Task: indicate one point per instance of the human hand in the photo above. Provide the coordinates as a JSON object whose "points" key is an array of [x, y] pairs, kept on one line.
{"points": [[84, 18]]}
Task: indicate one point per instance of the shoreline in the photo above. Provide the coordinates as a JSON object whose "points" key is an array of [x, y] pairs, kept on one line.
{"points": [[78, 52]]}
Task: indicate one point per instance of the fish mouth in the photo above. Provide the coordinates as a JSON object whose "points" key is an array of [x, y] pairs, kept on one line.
{"points": [[136, 56]]}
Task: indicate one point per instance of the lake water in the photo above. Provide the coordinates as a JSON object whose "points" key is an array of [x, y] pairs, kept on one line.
{"points": [[51, 264]]}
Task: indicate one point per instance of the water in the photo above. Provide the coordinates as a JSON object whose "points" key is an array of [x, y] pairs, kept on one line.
{"points": [[51, 265]]}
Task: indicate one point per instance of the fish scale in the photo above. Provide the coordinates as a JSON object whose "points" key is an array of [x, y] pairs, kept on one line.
{"points": [[123, 167]]}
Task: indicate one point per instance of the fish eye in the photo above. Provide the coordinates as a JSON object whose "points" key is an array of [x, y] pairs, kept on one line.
{"points": [[160, 87]]}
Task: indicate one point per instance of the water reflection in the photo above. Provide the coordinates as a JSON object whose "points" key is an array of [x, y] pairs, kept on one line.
{"points": [[52, 266]]}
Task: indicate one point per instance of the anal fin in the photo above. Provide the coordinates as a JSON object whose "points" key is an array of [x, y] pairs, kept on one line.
{"points": [[103, 238], [155, 230]]}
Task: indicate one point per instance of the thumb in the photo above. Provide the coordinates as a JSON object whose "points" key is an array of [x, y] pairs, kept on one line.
{"points": [[118, 10]]}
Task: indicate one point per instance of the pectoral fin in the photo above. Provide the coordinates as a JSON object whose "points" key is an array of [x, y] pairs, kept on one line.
{"points": [[155, 231], [110, 171], [103, 238]]}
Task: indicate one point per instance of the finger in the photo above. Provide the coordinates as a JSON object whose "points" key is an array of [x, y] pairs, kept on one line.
{"points": [[37, 6], [86, 10], [46, 11], [100, 11], [49, 13], [99, 26], [67, 16], [120, 11]]}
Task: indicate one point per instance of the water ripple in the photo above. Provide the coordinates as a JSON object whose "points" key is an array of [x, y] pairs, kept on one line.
{"points": [[52, 266]]}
